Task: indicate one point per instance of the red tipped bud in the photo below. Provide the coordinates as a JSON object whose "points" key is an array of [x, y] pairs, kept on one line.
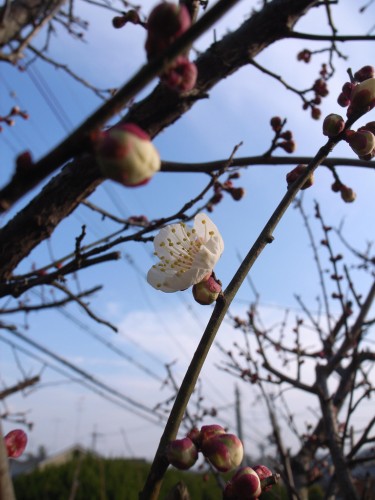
{"points": [[343, 100], [224, 451], [347, 89], [288, 146], [276, 123], [208, 431], [181, 76], [364, 73], [315, 113], [182, 453], [166, 22], [207, 291], [363, 97], [333, 124], [263, 472], [362, 142], [296, 173], [246, 484], [126, 155], [15, 443]]}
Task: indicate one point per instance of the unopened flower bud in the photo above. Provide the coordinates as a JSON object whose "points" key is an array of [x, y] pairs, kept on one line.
{"points": [[15, 443], [347, 89], [333, 124], [296, 173], [263, 472], [181, 76], [237, 193], [336, 186], [288, 146], [207, 291], [194, 434], [246, 484], [347, 194], [315, 113], [343, 100], [209, 431], [364, 73], [276, 123], [126, 155], [166, 22], [363, 96], [362, 142], [182, 453], [224, 451]]}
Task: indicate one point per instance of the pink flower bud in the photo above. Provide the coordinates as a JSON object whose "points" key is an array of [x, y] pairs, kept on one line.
{"points": [[246, 484], [276, 123], [333, 124], [182, 453], [194, 434], [181, 76], [362, 97], [224, 451], [209, 431], [15, 443], [362, 142], [347, 89], [294, 174], [364, 73], [347, 194], [166, 22], [343, 100], [207, 291], [126, 155], [263, 472]]}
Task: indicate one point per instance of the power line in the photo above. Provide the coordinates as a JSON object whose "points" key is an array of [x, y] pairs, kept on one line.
{"points": [[76, 380], [82, 372]]}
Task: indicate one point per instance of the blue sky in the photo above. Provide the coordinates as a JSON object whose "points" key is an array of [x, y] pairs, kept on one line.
{"points": [[155, 328]]}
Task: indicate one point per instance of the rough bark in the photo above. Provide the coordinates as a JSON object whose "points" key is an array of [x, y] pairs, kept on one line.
{"points": [[17, 15], [157, 111]]}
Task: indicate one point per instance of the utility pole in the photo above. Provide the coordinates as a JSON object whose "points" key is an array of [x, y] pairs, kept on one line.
{"points": [[237, 406]]}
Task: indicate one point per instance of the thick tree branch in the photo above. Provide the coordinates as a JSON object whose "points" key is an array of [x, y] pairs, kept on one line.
{"points": [[162, 108]]}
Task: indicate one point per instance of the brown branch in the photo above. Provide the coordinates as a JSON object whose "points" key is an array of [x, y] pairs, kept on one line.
{"points": [[18, 287], [50, 305], [19, 387], [75, 298], [79, 140], [212, 166]]}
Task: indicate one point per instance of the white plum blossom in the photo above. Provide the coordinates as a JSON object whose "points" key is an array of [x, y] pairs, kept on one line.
{"points": [[187, 254]]}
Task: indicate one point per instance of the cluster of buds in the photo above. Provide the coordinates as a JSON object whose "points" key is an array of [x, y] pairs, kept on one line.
{"points": [[15, 443], [249, 482], [237, 193], [296, 173], [126, 155], [287, 143], [131, 16], [362, 141], [358, 95], [9, 120], [347, 193], [166, 23], [319, 88], [224, 451], [207, 291]]}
